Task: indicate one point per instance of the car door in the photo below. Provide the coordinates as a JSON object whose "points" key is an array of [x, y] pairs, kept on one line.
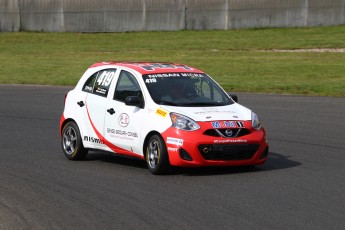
{"points": [[122, 122], [96, 102]]}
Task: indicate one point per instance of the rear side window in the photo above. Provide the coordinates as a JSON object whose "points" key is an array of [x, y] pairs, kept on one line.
{"points": [[99, 82]]}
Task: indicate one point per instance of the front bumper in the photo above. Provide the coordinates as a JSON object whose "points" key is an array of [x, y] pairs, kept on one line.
{"points": [[189, 149]]}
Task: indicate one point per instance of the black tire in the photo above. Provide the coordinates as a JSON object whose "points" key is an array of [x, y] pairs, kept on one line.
{"points": [[156, 156], [71, 142]]}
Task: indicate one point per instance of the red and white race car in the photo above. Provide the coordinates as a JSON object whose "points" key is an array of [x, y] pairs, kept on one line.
{"points": [[165, 113]]}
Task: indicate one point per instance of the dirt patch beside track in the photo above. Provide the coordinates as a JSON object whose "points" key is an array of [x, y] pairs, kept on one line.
{"points": [[319, 50]]}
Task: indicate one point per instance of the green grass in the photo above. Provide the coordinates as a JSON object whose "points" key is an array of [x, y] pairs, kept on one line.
{"points": [[240, 60]]}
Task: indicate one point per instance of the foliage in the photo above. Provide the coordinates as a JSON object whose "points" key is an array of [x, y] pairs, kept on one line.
{"points": [[253, 60]]}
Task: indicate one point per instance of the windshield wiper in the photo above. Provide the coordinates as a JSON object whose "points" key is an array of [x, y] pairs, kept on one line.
{"points": [[204, 104], [166, 103]]}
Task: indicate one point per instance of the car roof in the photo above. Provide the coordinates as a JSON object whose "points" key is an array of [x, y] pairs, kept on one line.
{"points": [[151, 67]]}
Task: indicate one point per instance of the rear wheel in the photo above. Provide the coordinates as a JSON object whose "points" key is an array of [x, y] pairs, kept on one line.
{"points": [[71, 142], [156, 155]]}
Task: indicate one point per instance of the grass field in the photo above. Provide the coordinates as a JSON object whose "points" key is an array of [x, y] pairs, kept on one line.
{"points": [[254, 60]]}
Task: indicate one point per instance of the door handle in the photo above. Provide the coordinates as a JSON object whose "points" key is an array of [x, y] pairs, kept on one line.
{"points": [[80, 103], [111, 111]]}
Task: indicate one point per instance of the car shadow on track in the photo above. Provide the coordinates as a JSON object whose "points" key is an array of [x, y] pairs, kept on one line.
{"points": [[278, 161], [115, 159], [275, 161]]}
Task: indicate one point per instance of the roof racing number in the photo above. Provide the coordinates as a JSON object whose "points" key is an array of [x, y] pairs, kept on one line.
{"points": [[154, 66]]}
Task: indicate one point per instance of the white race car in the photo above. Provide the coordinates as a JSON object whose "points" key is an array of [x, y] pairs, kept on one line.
{"points": [[165, 113]]}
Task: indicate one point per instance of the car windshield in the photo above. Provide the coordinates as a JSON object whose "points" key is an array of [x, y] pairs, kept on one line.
{"points": [[185, 89]]}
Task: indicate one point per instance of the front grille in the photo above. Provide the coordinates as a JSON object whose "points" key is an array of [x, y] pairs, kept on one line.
{"points": [[228, 151], [225, 132]]}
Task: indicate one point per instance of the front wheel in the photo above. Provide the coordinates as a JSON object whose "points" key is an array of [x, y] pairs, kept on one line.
{"points": [[157, 156], [71, 142]]}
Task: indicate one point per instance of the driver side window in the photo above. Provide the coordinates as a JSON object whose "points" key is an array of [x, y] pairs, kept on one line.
{"points": [[126, 86], [208, 90]]}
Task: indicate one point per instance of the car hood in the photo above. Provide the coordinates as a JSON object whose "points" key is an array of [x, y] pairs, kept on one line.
{"points": [[229, 112]]}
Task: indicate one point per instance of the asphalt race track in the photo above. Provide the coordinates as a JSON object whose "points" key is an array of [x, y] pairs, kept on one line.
{"points": [[302, 185]]}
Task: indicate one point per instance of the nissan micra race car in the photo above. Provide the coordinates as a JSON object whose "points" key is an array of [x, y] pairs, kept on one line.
{"points": [[164, 113]]}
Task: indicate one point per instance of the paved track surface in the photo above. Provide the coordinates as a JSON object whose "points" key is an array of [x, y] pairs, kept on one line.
{"points": [[302, 185]]}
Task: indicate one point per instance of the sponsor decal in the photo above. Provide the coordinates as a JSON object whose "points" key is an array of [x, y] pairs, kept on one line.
{"points": [[161, 112], [122, 134], [123, 119], [229, 141], [93, 140], [109, 130], [173, 149], [207, 111], [101, 91], [227, 124], [88, 88], [174, 141]]}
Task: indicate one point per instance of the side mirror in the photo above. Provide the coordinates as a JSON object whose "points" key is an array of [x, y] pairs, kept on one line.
{"points": [[134, 101], [233, 97]]}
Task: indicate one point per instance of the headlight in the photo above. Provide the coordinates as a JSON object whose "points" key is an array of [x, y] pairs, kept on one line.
{"points": [[182, 122], [256, 124]]}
